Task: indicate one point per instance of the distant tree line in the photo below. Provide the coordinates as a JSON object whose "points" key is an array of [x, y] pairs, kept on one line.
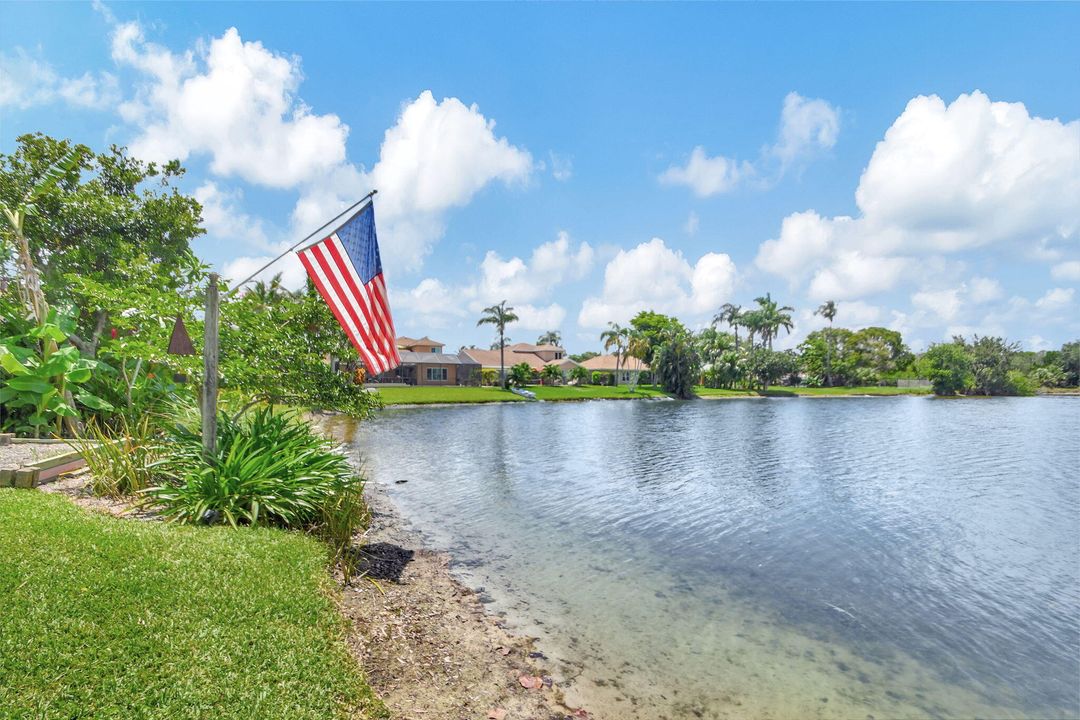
{"points": [[742, 356]]}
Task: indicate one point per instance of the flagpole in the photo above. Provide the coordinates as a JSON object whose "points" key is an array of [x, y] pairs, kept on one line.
{"points": [[208, 403], [316, 231]]}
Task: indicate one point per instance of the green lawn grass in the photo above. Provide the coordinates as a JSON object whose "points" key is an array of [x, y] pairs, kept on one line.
{"points": [[779, 391], [427, 395], [111, 618], [595, 392]]}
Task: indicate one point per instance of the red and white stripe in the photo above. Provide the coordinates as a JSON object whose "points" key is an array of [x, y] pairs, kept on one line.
{"points": [[362, 310]]}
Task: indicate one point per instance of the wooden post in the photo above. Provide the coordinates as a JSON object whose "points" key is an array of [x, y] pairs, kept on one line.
{"points": [[210, 368]]}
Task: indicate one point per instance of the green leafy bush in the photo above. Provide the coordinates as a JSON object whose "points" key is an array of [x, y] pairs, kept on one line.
{"points": [[1019, 384], [267, 470], [580, 375], [520, 375], [44, 379], [948, 368]]}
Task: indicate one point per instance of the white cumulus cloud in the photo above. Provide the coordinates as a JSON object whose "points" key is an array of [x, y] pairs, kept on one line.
{"points": [[525, 284], [652, 276], [1066, 270], [707, 175], [437, 156], [26, 82], [945, 178], [807, 127], [1056, 299], [237, 103], [232, 100]]}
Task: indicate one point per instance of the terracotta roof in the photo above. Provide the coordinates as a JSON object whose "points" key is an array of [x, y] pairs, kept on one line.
{"points": [[490, 359], [606, 363], [407, 342]]}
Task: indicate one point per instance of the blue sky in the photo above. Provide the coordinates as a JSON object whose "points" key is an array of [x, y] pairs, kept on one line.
{"points": [[920, 164]]}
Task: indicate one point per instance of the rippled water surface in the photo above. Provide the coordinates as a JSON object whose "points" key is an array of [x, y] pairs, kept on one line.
{"points": [[850, 558]]}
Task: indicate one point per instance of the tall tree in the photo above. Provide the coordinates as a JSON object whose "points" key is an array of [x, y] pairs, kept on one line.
{"points": [[551, 337], [655, 328], [500, 316], [732, 315], [678, 364], [948, 368], [771, 317], [614, 338], [827, 310], [98, 218]]}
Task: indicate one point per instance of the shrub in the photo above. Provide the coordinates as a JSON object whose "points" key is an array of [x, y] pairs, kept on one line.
{"points": [[121, 461], [948, 368], [579, 374], [267, 469], [1019, 384], [602, 378], [678, 365], [520, 375], [551, 374], [489, 377]]}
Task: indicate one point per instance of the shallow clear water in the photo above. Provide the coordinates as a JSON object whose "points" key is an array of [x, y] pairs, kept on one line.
{"points": [[881, 557]]}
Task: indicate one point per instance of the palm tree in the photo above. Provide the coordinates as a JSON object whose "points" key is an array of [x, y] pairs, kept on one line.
{"points": [[827, 310], [751, 320], [551, 373], [772, 317], [267, 294], [500, 316], [732, 315], [615, 337], [551, 337]]}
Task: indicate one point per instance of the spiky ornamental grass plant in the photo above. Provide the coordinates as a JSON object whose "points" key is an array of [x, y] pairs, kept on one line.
{"points": [[268, 469]]}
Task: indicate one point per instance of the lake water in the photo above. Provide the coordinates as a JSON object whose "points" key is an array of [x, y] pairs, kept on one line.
{"points": [[792, 558]]}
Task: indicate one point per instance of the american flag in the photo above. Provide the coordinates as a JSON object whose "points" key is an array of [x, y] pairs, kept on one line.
{"points": [[347, 271]]}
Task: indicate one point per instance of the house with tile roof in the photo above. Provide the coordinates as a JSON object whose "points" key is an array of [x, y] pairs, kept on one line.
{"points": [[535, 356], [423, 362], [424, 344], [623, 368]]}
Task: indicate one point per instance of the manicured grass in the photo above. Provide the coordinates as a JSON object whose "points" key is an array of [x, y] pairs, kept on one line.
{"points": [[426, 395], [595, 392], [795, 391], [111, 618]]}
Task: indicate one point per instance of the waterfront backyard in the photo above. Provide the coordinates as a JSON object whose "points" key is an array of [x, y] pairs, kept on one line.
{"points": [[909, 558]]}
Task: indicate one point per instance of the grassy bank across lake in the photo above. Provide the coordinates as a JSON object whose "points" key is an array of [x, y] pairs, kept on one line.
{"points": [[112, 618], [430, 395], [779, 391]]}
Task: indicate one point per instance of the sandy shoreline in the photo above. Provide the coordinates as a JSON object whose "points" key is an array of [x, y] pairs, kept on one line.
{"points": [[429, 648]]}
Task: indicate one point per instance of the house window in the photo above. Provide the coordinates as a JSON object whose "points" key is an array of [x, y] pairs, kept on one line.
{"points": [[437, 349], [437, 374], [558, 356]]}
